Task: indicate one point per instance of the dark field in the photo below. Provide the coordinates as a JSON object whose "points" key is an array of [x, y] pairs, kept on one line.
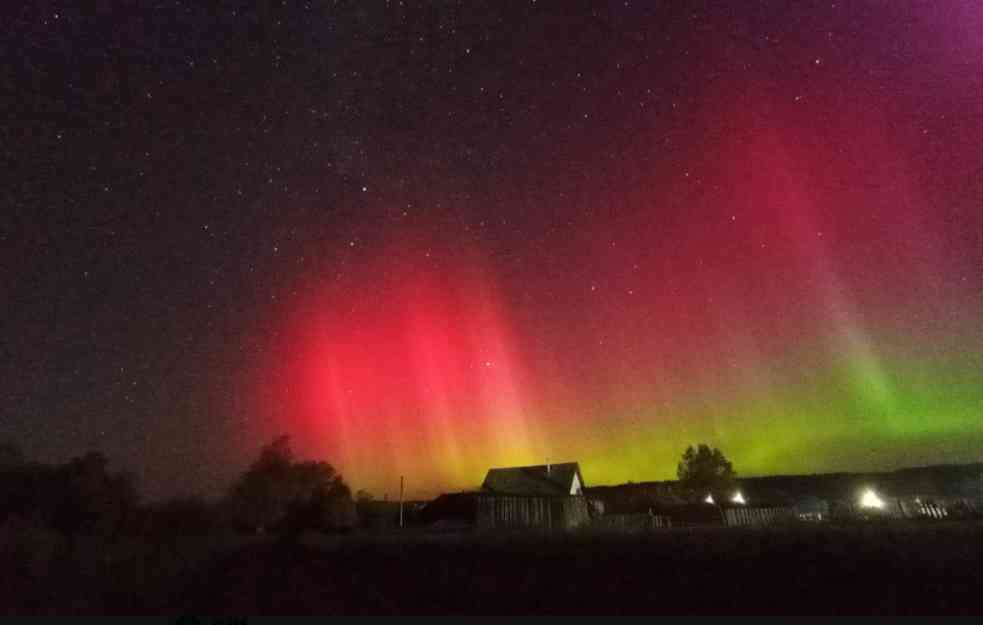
{"points": [[872, 569]]}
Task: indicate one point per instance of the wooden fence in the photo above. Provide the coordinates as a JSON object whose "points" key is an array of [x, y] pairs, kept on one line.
{"points": [[515, 512], [937, 507], [753, 517], [633, 522]]}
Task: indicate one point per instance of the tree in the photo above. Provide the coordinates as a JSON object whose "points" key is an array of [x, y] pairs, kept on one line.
{"points": [[179, 517], [277, 492], [84, 496], [706, 470], [10, 454]]}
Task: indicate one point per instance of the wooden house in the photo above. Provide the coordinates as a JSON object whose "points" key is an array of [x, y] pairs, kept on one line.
{"points": [[548, 496]]}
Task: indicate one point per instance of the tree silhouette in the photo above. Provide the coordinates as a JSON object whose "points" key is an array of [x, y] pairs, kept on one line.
{"points": [[705, 470], [84, 496], [10, 454], [180, 517], [278, 493]]}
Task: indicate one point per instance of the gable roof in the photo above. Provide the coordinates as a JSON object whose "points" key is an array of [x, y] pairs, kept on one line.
{"points": [[556, 480]]}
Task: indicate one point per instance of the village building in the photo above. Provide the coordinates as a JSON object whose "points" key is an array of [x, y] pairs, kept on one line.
{"points": [[811, 508], [546, 480], [546, 496]]}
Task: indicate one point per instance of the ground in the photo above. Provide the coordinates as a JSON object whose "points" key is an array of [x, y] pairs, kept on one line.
{"points": [[873, 569]]}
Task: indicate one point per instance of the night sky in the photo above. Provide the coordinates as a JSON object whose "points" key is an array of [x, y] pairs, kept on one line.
{"points": [[427, 241]]}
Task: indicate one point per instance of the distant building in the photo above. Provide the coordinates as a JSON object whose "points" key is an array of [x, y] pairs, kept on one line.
{"points": [[547, 496], [534, 497], [811, 508]]}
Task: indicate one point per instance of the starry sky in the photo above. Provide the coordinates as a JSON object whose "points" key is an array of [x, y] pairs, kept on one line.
{"points": [[424, 240]]}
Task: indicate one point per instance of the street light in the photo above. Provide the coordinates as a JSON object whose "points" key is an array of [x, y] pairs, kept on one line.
{"points": [[869, 499]]}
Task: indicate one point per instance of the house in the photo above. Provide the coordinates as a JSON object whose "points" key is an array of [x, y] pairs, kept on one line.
{"points": [[547, 496], [547, 480]]}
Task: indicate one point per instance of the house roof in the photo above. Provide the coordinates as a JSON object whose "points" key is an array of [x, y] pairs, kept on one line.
{"points": [[552, 480]]}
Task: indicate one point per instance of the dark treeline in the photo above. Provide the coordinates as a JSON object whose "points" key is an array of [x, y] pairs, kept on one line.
{"points": [[76, 538], [277, 493], [81, 495]]}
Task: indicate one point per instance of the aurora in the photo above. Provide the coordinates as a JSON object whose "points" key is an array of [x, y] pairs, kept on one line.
{"points": [[781, 309], [423, 243]]}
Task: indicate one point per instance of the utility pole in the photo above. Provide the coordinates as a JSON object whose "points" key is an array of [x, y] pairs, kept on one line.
{"points": [[400, 502]]}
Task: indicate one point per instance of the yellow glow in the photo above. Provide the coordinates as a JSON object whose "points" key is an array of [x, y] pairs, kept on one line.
{"points": [[738, 498], [709, 498], [869, 499]]}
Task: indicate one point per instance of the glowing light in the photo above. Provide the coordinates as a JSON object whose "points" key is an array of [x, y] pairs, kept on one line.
{"points": [[738, 498], [709, 499], [870, 500]]}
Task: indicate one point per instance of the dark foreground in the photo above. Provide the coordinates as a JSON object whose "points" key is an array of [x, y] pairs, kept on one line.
{"points": [[846, 570]]}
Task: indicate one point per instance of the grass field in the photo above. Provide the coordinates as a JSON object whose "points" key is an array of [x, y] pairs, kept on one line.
{"points": [[866, 569]]}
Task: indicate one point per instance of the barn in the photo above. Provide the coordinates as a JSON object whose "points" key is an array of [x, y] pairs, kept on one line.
{"points": [[546, 496]]}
